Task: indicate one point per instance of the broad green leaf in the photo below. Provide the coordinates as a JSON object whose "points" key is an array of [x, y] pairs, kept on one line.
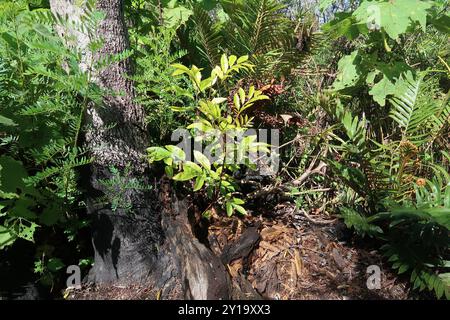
{"points": [[442, 23], [7, 122], [393, 16], [236, 101], [207, 214], [403, 268], [176, 152], [242, 95], [251, 92], [169, 171], [181, 67], [185, 175], [390, 82], [192, 166], [200, 126], [158, 153], [168, 161], [232, 60], [224, 63], [12, 177], [180, 109], [55, 264], [175, 17], [342, 25], [51, 214], [26, 231], [240, 209], [202, 159], [238, 201], [242, 59], [7, 237], [218, 100], [348, 71], [199, 182], [382, 89], [229, 208], [217, 72], [205, 84]]}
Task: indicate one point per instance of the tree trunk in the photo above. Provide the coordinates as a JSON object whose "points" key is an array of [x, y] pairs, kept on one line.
{"points": [[150, 239]]}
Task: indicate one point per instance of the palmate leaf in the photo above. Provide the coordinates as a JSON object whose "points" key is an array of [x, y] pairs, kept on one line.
{"points": [[394, 17], [348, 71]]}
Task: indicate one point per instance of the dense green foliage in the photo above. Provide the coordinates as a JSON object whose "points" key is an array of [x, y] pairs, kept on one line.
{"points": [[392, 112], [43, 95], [210, 127], [362, 98]]}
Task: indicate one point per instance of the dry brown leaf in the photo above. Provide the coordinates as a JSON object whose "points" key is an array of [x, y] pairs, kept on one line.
{"points": [[268, 246], [269, 234]]}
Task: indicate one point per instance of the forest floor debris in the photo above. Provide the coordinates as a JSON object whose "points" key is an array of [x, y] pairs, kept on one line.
{"points": [[289, 260]]}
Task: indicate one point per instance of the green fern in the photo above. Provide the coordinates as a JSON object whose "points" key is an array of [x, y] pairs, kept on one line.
{"points": [[43, 95], [257, 28], [208, 35], [362, 225], [422, 118], [419, 237], [411, 115], [441, 119], [260, 26]]}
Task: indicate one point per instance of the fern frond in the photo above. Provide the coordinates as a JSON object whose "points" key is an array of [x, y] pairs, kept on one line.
{"points": [[260, 29], [422, 120], [360, 223], [208, 35], [50, 151], [45, 106], [422, 276], [261, 25], [62, 168], [409, 114], [441, 119], [439, 283]]}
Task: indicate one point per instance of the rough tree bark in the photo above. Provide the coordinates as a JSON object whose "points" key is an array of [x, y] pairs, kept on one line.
{"points": [[154, 242]]}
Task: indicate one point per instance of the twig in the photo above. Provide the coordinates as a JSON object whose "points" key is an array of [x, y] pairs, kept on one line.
{"points": [[308, 172], [310, 219]]}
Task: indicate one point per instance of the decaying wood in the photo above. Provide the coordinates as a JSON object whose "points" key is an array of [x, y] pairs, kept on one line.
{"points": [[202, 273], [242, 247]]}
